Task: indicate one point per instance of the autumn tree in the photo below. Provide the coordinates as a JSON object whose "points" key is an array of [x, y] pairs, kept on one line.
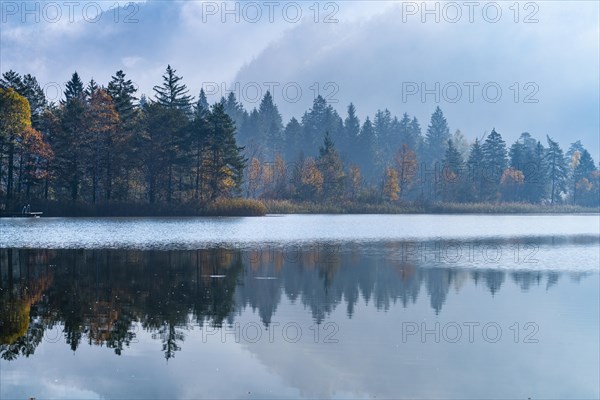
{"points": [[391, 188], [511, 184], [103, 125], [355, 180], [35, 155], [407, 167], [15, 118]]}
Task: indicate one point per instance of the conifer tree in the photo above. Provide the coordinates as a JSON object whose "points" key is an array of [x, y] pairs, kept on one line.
{"points": [[172, 93]]}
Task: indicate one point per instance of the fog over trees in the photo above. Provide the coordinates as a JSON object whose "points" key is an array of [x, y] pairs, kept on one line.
{"points": [[102, 144]]}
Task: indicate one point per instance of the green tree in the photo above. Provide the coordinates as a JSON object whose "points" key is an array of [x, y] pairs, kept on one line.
{"points": [[270, 127], [582, 177], [173, 94], [452, 173], [349, 145], [70, 143], [437, 137], [494, 163], [122, 91], [366, 143], [293, 139], [330, 165], [226, 163], [557, 170], [475, 172]]}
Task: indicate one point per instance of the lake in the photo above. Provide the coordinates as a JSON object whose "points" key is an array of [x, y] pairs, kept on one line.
{"points": [[311, 306]]}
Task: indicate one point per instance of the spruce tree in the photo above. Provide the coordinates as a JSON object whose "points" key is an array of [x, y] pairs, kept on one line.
{"points": [[452, 173], [74, 89], [366, 141], [202, 107], [293, 139], [172, 93], [437, 137], [270, 127], [582, 176], [12, 80], [494, 163], [225, 160], [330, 165], [71, 142], [475, 172], [557, 170], [349, 145], [536, 178], [122, 91]]}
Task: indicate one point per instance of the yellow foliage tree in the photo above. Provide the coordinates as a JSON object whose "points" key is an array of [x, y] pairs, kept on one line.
{"points": [[391, 188]]}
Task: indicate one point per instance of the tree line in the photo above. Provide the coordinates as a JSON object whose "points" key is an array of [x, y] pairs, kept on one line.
{"points": [[138, 287], [101, 144]]}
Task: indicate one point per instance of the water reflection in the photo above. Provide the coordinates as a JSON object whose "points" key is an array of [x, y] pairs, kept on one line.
{"points": [[104, 297]]}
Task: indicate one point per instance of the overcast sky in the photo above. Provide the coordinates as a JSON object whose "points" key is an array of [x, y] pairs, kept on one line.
{"points": [[542, 56]]}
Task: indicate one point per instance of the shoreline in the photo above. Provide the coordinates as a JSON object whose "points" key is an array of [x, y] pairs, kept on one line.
{"points": [[256, 208]]}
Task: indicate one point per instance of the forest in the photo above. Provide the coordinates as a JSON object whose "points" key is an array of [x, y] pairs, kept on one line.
{"points": [[103, 151], [61, 293]]}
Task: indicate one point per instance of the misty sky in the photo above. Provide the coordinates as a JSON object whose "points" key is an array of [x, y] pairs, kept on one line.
{"points": [[542, 56]]}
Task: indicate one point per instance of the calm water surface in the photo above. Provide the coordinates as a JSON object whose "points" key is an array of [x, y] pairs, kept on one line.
{"points": [[301, 306]]}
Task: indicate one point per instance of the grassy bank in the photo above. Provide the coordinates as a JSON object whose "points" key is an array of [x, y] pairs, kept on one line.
{"points": [[288, 207], [249, 207], [221, 207]]}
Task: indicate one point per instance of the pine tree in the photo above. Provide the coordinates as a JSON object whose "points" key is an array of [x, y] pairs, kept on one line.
{"points": [[319, 119], [71, 142], [582, 176], [34, 94], [494, 163], [382, 124], [225, 161], [437, 137], [202, 107], [475, 171], [416, 135], [235, 110], [74, 89], [122, 91], [406, 132], [366, 142], [173, 94], [557, 170], [12, 80], [293, 139], [250, 133], [91, 88], [349, 145], [330, 165], [536, 175], [452, 173], [271, 127]]}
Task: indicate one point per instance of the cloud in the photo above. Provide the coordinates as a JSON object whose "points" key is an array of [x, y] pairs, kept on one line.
{"points": [[548, 79], [369, 56]]}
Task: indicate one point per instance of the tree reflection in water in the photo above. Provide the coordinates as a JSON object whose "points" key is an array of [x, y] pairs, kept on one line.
{"points": [[103, 296]]}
